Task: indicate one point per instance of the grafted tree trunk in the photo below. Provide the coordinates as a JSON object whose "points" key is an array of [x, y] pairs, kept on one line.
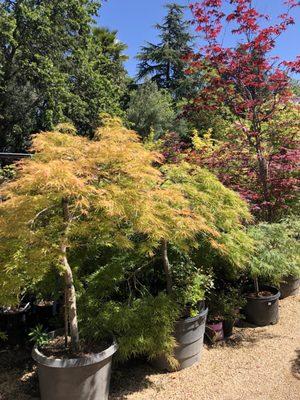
{"points": [[167, 267], [256, 285], [66, 316], [71, 305]]}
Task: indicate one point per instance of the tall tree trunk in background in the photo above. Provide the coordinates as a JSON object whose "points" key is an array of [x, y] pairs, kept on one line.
{"points": [[263, 172]]}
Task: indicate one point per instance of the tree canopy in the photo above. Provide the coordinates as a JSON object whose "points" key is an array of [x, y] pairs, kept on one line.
{"points": [[163, 62], [55, 67], [151, 109]]}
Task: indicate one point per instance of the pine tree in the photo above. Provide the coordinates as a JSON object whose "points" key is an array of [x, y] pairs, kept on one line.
{"points": [[163, 62]]}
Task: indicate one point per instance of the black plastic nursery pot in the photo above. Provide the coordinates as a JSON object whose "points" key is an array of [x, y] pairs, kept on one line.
{"points": [[77, 379], [289, 287], [228, 325], [263, 310], [44, 312], [189, 335], [14, 323]]}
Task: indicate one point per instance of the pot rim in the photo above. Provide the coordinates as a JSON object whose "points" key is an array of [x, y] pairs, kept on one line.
{"points": [[287, 279], [203, 313], [22, 310], [276, 294], [95, 358]]}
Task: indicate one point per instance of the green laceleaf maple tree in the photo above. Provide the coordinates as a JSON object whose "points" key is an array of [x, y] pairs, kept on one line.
{"points": [[74, 188]]}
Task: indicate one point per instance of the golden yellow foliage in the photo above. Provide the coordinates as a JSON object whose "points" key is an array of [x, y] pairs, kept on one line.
{"points": [[113, 188]]}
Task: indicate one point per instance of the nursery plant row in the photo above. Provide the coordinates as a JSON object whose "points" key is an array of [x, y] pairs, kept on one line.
{"points": [[108, 252]]}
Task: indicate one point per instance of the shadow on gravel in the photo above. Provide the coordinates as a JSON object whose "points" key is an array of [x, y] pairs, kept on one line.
{"points": [[129, 378], [296, 365], [244, 338], [18, 379]]}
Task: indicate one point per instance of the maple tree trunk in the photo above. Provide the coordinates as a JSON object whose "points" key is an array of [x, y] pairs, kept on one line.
{"points": [[71, 305], [256, 285], [66, 317], [263, 173], [167, 268]]}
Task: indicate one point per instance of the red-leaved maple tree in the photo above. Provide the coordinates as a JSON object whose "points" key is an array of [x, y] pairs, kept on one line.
{"points": [[254, 85]]}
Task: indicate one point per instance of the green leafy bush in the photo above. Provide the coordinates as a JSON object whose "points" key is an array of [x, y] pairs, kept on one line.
{"points": [[142, 327], [277, 251], [225, 304]]}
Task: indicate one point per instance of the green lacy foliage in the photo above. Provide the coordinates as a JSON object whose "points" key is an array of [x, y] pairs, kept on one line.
{"points": [[222, 210], [277, 250], [127, 299], [190, 283], [142, 327]]}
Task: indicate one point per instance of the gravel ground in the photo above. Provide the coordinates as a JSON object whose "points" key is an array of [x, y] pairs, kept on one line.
{"points": [[257, 364]]}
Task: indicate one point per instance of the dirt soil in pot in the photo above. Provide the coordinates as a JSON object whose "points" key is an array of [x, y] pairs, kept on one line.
{"points": [[254, 364], [262, 294], [56, 349]]}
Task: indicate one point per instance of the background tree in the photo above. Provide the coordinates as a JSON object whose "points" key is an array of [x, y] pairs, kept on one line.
{"points": [[54, 67], [231, 158], [246, 78], [163, 62], [149, 109], [295, 83], [98, 80]]}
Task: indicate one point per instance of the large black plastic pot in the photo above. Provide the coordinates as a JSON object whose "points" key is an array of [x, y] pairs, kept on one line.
{"points": [[289, 287], [262, 311], [77, 379], [14, 324], [189, 335]]}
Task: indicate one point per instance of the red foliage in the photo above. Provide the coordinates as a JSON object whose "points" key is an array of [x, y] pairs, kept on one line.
{"points": [[252, 84], [236, 166]]}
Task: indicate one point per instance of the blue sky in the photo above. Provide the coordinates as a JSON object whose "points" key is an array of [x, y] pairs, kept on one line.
{"points": [[134, 21]]}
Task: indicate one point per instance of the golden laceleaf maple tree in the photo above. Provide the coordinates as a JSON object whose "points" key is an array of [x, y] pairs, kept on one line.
{"points": [[105, 190]]}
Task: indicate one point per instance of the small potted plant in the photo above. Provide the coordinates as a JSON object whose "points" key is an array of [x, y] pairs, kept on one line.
{"points": [[276, 257], [188, 289], [224, 308], [14, 322]]}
